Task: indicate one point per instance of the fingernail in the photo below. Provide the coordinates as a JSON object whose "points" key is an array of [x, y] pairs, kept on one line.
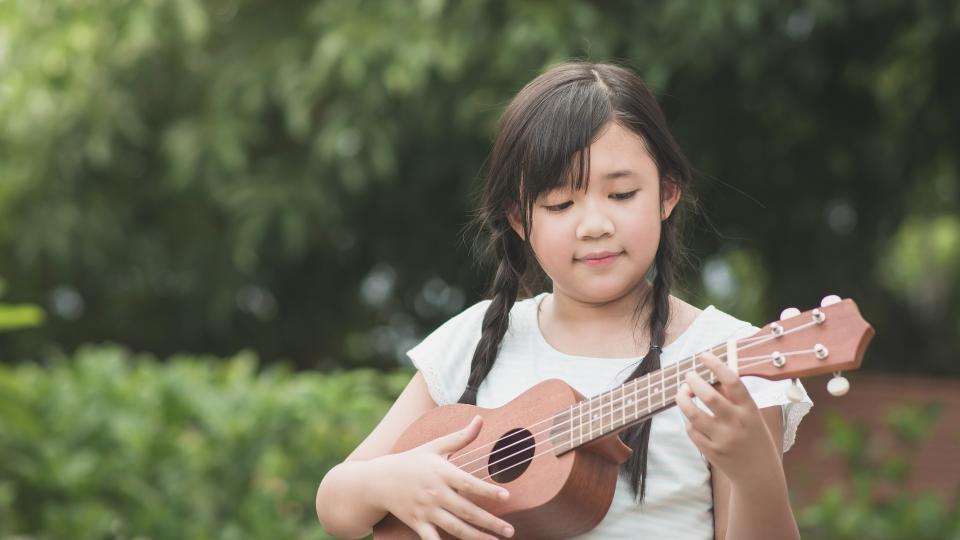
{"points": [[504, 494], [508, 531]]}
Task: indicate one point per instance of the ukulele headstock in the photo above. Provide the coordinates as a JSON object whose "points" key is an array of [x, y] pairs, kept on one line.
{"points": [[830, 338]]}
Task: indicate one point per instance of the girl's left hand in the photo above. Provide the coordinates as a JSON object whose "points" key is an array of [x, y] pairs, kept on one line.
{"points": [[735, 439]]}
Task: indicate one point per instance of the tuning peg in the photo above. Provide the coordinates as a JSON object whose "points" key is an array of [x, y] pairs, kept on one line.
{"points": [[838, 385], [829, 300], [789, 312], [794, 392]]}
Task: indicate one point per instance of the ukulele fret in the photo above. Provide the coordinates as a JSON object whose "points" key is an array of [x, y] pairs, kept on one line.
{"points": [[590, 420], [603, 414], [580, 422], [649, 397], [663, 391], [677, 387]]}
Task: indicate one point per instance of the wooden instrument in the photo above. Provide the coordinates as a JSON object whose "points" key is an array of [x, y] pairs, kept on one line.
{"points": [[558, 453]]}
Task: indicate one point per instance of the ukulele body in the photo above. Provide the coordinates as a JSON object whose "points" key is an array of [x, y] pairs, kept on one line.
{"points": [[551, 496]]}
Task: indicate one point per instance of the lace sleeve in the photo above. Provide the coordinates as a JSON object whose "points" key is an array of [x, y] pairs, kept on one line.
{"points": [[772, 393], [792, 414], [444, 356]]}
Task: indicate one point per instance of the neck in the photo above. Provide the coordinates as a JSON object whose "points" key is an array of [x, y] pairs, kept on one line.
{"points": [[570, 310], [615, 410]]}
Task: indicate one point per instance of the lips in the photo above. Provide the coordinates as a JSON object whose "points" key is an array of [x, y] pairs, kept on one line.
{"points": [[599, 255], [600, 258]]}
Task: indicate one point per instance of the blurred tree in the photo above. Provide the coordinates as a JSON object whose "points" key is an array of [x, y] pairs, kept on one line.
{"points": [[206, 175], [13, 317]]}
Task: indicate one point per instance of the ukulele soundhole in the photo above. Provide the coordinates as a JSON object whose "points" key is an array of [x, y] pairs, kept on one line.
{"points": [[511, 455]]}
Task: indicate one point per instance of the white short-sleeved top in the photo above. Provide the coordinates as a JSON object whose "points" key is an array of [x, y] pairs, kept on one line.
{"points": [[679, 497]]}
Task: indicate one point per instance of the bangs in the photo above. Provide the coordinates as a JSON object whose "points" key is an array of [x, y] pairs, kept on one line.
{"points": [[555, 143]]}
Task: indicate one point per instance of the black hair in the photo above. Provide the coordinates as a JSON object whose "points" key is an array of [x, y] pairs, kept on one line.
{"points": [[543, 138]]}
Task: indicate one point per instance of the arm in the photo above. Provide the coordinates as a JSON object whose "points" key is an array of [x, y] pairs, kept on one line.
{"points": [[420, 487], [344, 506], [757, 510], [745, 458]]}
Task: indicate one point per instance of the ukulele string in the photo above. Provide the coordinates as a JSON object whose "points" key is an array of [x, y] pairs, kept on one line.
{"points": [[752, 341], [748, 342], [763, 360], [581, 415], [756, 360]]}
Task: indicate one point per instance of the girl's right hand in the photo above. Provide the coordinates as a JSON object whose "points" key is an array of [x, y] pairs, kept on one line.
{"points": [[421, 488]]}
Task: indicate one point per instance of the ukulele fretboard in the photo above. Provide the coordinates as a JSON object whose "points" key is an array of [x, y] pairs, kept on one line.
{"points": [[617, 409]]}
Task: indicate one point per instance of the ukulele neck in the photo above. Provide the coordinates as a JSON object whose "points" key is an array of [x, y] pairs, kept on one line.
{"points": [[617, 409], [827, 339]]}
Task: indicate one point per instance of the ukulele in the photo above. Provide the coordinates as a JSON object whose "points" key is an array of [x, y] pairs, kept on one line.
{"points": [[559, 453]]}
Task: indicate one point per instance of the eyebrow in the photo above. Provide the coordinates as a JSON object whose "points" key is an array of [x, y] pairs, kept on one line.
{"points": [[619, 174]]}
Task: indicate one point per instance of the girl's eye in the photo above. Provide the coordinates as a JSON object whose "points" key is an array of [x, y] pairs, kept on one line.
{"points": [[559, 207], [624, 196]]}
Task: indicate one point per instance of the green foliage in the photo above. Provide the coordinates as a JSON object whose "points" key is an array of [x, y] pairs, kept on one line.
{"points": [[735, 280], [923, 261], [210, 175], [875, 502], [17, 316], [112, 445]]}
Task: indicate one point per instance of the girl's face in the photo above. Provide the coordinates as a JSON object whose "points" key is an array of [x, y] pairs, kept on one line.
{"points": [[597, 244]]}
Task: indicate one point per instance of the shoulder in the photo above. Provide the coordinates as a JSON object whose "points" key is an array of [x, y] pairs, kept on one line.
{"points": [[682, 315], [444, 355], [704, 328], [717, 322]]}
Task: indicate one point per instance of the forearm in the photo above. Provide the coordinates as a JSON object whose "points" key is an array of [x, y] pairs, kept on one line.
{"points": [[345, 505], [762, 510]]}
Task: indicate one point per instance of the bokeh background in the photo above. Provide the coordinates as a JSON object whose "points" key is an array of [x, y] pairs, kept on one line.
{"points": [[223, 222]]}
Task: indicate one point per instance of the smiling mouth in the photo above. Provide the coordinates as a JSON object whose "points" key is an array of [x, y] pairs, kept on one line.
{"points": [[602, 260]]}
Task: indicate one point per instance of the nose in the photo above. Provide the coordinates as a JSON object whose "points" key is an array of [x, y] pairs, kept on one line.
{"points": [[594, 223]]}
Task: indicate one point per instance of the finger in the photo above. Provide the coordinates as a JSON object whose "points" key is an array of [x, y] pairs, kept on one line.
{"points": [[709, 395], [475, 515], [731, 386], [467, 484], [456, 526], [426, 531], [701, 441], [696, 417], [458, 439]]}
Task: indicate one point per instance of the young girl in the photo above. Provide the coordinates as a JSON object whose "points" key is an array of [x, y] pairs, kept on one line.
{"points": [[582, 198]]}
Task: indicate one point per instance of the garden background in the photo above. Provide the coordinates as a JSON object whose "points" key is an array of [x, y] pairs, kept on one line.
{"points": [[223, 222]]}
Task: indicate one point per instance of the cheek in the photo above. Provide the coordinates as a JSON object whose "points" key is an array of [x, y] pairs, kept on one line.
{"points": [[641, 232], [551, 243]]}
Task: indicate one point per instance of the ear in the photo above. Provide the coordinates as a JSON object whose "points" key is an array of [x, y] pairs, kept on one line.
{"points": [[513, 216], [669, 198]]}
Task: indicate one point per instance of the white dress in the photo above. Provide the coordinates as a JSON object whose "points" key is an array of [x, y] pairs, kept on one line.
{"points": [[679, 497]]}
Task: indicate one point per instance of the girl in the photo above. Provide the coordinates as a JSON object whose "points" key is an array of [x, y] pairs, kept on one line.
{"points": [[582, 197]]}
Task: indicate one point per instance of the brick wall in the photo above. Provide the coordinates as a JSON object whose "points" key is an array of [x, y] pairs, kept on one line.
{"points": [[936, 464]]}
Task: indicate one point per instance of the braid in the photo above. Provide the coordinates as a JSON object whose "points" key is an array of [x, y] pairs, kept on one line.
{"points": [[638, 437], [504, 290]]}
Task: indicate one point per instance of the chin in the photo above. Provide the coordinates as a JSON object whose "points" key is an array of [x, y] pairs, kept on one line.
{"points": [[602, 294]]}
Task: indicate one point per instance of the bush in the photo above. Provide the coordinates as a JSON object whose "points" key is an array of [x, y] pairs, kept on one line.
{"points": [[875, 501], [112, 445]]}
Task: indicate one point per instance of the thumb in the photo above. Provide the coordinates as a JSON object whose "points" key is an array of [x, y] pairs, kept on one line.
{"points": [[458, 439]]}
